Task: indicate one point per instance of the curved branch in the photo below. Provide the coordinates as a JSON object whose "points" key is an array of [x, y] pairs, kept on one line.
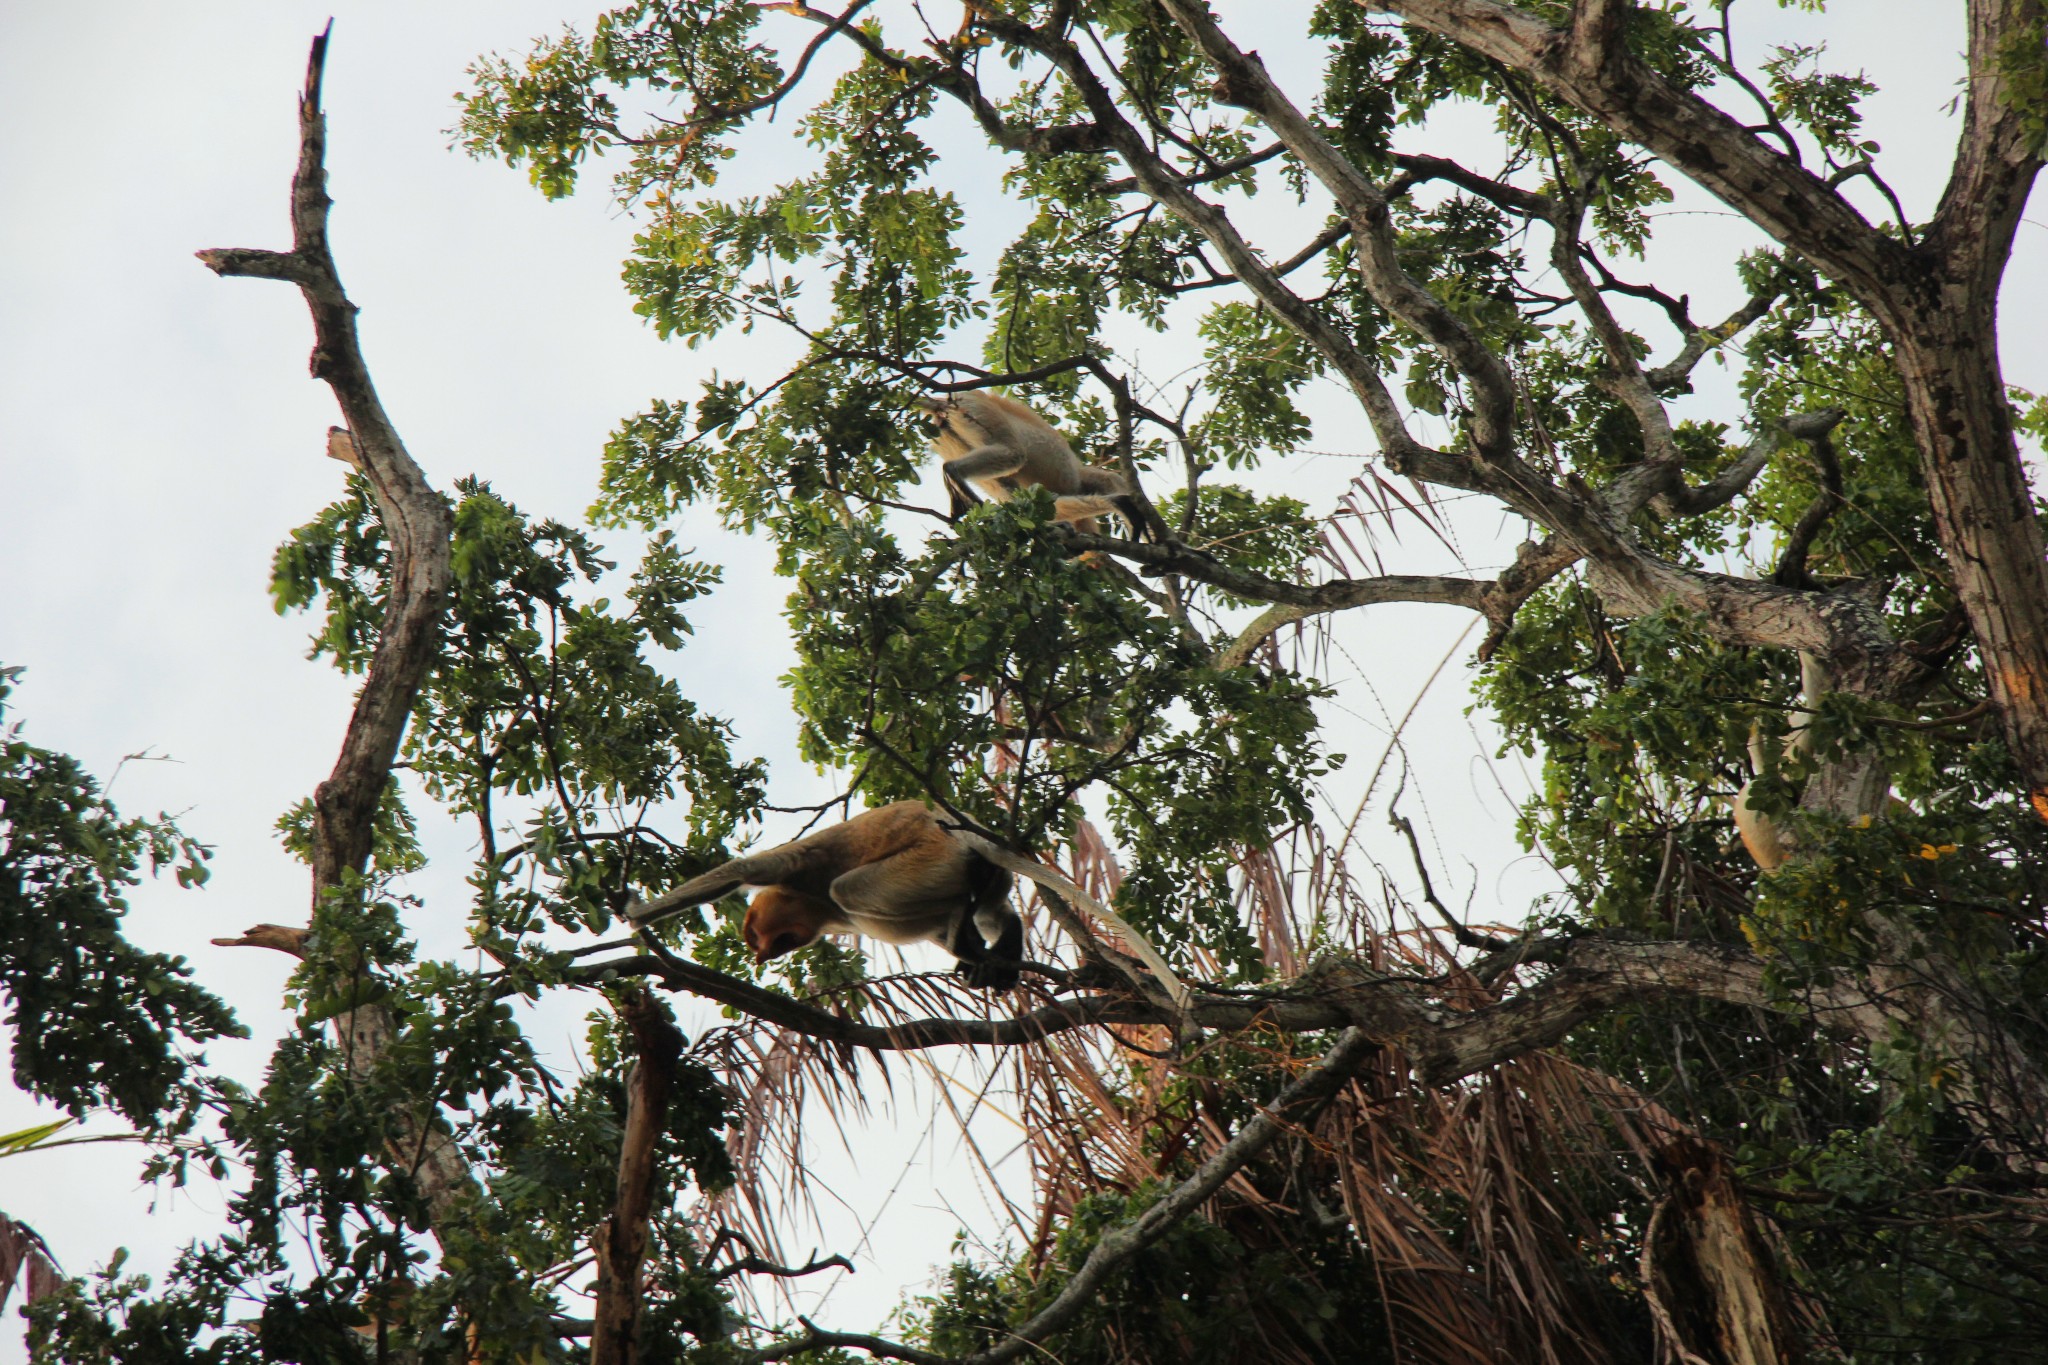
{"points": [[413, 514], [1698, 344], [1417, 169], [417, 521], [1812, 428], [1624, 378], [1497, 601]]}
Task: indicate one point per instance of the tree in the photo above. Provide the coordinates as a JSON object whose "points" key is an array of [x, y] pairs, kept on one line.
{"points": [[1691, 1106]]}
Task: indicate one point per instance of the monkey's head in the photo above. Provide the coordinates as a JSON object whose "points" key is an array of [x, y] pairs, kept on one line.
{"points": [[779, 921], [965, 415], [937, 409]]}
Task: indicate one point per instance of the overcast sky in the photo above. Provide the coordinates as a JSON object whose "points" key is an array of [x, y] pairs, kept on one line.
{"points": [[159, 436]]}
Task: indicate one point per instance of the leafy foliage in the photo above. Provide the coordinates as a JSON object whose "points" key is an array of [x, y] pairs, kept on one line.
{"points": [[97, 1021]]}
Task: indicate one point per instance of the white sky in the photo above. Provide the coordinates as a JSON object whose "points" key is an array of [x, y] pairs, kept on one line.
{"points": [[159, 436]]}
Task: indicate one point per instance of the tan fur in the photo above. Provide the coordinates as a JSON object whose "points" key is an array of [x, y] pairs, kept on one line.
{"points": [[999, 445], [891, 873], [1767, 843]]}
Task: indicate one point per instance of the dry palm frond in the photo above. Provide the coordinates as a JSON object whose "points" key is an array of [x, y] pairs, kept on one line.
{"points": [[1266, 898]]}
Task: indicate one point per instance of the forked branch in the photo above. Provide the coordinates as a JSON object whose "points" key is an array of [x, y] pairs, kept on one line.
{"points": [[416, 520], [413, 514]]}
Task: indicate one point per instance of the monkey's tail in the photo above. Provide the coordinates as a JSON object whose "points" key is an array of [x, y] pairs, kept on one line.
{"points": [[718, 882]]}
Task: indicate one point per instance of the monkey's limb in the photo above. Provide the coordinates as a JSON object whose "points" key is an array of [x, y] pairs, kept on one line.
{"points": [[962, 498], [1052, 881], [757, 870], [1088, 507], [987, 937], [1768, 843], [985, 462]]}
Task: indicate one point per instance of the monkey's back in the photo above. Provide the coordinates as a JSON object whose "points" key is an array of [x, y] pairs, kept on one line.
{"points": [[901, 827], [1049, 462]]}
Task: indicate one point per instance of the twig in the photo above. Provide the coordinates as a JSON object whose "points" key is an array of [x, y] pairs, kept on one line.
{"points": [[754, 1265]]}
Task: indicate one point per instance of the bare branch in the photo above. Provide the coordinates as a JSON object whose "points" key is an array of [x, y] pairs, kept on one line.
{"points": [[680, 974], [1725, 486], [1417, 169], [413, 514], [1461, 931], [1812, 428], [1296, 1105], [1222, 170], [1673, 372], [416, 520], [754, 1265], [1624, 377], [1322, 242], [1177, 558]]}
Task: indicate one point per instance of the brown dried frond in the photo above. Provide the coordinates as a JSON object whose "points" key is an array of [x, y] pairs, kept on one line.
{"points": [[1467, 1200], [1095, 868], [1267, 896]]}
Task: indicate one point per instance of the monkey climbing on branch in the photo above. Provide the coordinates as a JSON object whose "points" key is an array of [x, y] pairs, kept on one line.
{"points": [[1768, 843], [999, 445], [890, 873]]}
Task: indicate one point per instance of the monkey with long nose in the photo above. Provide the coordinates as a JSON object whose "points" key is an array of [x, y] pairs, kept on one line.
{"points": [[892, 873]]}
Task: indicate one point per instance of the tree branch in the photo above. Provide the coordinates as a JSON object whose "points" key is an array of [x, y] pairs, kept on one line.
{"points": [[621, 1242], [1812, 428], [1673, 372], [754, 1265], [1998, 156], [413, 514], [1222, 170], [1625, 378], [1417, 169], [1681, 501], [416, 520], [1590, 66]]}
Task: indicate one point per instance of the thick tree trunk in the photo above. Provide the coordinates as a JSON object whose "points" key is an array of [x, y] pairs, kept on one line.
{"points": [[1947, 358]]}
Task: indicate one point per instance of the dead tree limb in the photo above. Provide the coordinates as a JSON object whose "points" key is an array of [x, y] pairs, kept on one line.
{"points": [[416, 520], [1715, 1290]]}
